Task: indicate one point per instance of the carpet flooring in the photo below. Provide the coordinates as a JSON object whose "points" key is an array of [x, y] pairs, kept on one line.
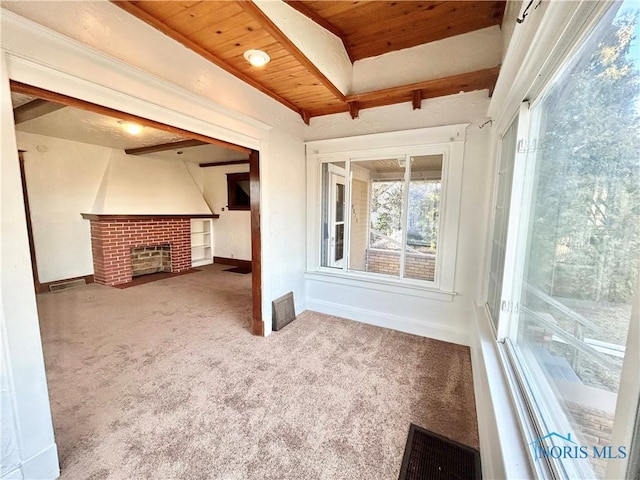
{"points": [[164, 380]]}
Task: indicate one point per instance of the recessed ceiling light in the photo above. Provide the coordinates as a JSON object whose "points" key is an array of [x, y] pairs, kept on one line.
{"points": [[130, 127], [257, 58]]}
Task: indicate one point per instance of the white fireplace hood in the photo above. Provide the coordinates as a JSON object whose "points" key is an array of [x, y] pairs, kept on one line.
{"points": [[134, 185]]}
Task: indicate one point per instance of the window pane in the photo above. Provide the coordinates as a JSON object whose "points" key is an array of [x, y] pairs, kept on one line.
{"points": [[338, 198], [377, 195], [501, 218], [333, 214], [577, 284], [423, 217], [360, 214]]}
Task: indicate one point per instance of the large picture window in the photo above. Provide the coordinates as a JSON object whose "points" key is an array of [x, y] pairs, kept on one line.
{"points": [[384, 210], [382, 216], [573, 277]]}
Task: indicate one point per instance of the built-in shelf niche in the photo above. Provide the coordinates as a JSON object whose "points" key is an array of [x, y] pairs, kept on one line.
{"points": [[201, 242]]}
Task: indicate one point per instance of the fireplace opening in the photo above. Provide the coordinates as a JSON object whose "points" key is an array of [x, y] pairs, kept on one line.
{"points": [[150, 259]]}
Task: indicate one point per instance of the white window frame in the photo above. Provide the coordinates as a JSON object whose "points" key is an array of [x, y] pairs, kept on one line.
{"points": [[558, 33], [334, 174], [494, 201], [448, 141]]}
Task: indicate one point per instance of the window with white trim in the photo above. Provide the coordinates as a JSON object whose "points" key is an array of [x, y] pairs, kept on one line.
{"points": [[388, 219], [571, 252], [385, 207]]}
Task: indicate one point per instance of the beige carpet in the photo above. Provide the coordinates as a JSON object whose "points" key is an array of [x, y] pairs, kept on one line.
{"points": [[164, 380]]}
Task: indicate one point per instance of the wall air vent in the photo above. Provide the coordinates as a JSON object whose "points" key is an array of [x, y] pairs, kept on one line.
{"points": [[283, 311], [58, 287]]}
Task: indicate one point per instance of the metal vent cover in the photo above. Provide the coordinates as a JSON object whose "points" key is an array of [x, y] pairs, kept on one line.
{"points": [[58, 287], [428, 456], [283, 311]]}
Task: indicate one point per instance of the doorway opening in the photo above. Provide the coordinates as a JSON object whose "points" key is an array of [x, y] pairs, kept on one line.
{"points": [[32, 105]]}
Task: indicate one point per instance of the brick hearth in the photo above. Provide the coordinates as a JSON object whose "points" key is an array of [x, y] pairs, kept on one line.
{"points": [[113, 238]]}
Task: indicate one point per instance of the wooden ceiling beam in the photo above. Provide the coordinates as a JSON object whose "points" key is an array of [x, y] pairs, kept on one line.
{"points": [[133, 9], [110, 112], [417, 99], [465, 82], [332, 110], [222, 164], [279, 35], [34, 109], [440, 87], [306, 118], [354, 109], [323, 22], [163, 147]]}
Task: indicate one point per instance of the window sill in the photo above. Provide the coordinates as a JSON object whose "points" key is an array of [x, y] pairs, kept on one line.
{"points": [[503, 436], [391, 285]]}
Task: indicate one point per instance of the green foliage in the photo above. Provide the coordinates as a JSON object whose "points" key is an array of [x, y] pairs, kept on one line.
{"points": [[386, 207], [423, 214], [588, 174], [423, 218]]}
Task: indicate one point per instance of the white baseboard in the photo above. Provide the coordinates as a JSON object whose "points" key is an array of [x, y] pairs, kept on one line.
{"points": [[42, 466], [422, 328], [301, 306]]}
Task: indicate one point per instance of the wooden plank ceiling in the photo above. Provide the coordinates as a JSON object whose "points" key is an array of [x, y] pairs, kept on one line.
{"points": [[221, 31]]}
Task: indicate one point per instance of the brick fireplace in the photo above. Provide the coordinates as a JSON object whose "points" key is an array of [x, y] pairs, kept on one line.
{"points": [[115, 237]]}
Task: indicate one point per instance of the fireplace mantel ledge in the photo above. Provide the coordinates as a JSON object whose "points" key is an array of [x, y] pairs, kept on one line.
{"points": [[139, 216]]}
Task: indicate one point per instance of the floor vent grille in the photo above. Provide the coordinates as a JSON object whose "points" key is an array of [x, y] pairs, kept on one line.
{"points": [[283, 311], [58, 287], [430, 456]]}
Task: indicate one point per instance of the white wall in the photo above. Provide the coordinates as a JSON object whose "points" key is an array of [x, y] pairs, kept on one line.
{"points": [[452, 321], [29, 420], [232, 231], [62, 183], [284, 218], [69, 178], [9, 447]]}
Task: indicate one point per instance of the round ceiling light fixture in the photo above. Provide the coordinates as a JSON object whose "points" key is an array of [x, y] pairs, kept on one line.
{"points": [[130, 127], [257, 58]]}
